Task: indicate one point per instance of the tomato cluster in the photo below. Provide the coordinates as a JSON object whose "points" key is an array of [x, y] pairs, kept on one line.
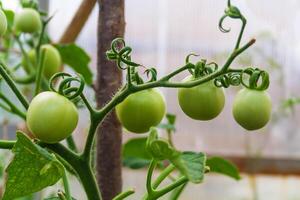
{"points": [[140, 111]]}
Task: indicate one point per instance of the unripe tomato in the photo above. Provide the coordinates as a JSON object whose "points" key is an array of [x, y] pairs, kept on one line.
{"points": [[252, 108], [202, 102], [28, 21], [51, 117], [3, 23], [141, 110], [52, 60]]}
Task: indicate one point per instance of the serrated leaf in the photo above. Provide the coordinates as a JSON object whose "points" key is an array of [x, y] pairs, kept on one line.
{"points": [[32, 169], [192, 165], [222, 166], [75, 57]]}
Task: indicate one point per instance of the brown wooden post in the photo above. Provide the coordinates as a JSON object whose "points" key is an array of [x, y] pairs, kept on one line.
{"points": [[111, 24]]}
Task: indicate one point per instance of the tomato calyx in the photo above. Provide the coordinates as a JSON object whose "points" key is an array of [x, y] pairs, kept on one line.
{"points": [[201, 68]]}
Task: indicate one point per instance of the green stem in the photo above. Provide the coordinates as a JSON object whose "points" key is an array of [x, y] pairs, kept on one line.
{"points": [[61, 195], [66, 186], [182, 180], [71, 143], [152, 166], [12, 108], [13, 86], [181, 69], [88, 181], [86, 155], [7, 144], [24, 53], [163, 175], [177, 192], [235, 53], [82, 167], [244, 21], [40, 70], [123, 195]]}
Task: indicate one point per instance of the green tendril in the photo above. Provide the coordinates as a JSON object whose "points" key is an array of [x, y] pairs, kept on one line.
{"points": [[65, 87]]}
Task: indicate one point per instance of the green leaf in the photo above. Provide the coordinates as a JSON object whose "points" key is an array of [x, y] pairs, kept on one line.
{"points": [[32, 169], [192, 165], [134, 153], [160, 149], [75, 57], [135, 162], [136, 147], [222, 166]]}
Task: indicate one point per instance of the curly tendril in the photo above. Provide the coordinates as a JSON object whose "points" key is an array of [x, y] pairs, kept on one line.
{"points": [[232, 12], [257, 79], [230, 79], [151, 74], [65, 87], [120, 53]]}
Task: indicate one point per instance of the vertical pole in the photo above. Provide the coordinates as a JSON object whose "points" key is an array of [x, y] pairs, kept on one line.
{"points": [[111, 24]]}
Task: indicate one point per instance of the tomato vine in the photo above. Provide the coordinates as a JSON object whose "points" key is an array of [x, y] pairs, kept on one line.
{"points": [[62, 83]]}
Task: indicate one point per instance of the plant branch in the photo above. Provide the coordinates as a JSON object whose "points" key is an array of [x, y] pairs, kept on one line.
{"points": [[152, 166], [180, 181], [83, 169], [12, 108], [12, 85], [123, 195], [71, 144], [163, 175], [7, 144], [66, 186]]}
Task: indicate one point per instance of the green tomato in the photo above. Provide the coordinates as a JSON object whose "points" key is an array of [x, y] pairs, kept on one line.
{"points": [[3, 23], [52, 60], [202, 102], [51, 117], [28, 21], [252, 108], [142, 110]]}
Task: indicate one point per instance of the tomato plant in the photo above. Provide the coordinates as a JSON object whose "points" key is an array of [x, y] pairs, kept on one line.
{"points": [[51, 117], [142, 110], [50, 109]]}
